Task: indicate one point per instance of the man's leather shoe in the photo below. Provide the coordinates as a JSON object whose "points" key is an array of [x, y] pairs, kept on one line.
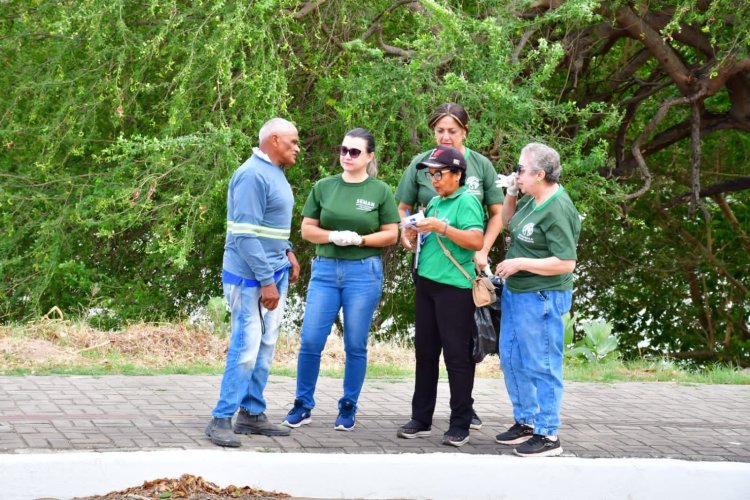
{"points": [[258, 424], [219, 431]]}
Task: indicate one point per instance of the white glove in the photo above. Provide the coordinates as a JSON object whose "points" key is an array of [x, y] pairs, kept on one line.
{"points": [[512, 188], [344, 238]]}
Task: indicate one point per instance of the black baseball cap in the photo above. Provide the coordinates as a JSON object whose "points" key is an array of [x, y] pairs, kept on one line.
{"points": [[444, 157]]}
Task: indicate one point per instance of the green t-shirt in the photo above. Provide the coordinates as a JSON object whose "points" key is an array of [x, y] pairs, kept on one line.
{"points": [[551, 229], [415, 188], [462, 212], [361, 207]]}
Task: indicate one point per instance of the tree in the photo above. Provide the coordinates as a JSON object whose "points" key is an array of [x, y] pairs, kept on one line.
{"points": [[680, 74], [121, 125]]}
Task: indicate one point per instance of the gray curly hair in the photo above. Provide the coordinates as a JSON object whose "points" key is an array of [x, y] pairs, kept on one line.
{"points": [[545, 159]]}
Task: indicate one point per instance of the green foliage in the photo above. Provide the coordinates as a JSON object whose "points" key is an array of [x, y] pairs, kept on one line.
{"points": [[597, 345], [121, 123], [218, 315]]}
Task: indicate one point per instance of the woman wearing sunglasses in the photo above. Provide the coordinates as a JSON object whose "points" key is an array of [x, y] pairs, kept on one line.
{"points": [[350, 217], [450, 124], [544, 226], [444, 304]]}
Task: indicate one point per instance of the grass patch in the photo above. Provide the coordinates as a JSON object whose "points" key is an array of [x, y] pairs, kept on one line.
{"points": [[58, 347], [653, 371]]}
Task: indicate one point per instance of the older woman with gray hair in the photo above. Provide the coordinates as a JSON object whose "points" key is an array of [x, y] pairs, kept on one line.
{"points": [[538, 273]]}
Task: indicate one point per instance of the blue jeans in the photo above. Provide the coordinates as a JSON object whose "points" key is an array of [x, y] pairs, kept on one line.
{"points": [[251, 348], [531, 355], [355, 286]]}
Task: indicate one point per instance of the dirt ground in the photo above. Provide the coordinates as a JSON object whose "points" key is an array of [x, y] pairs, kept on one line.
{"points": [[187, 487], [62, 345]]}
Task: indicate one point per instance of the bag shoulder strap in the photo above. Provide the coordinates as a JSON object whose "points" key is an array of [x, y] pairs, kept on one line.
{"points": [[450, 256]]}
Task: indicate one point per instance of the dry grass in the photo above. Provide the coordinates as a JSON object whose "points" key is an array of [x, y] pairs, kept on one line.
{"points": [[58, 344]]}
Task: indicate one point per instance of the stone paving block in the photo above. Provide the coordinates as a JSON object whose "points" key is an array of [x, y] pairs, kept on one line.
{"points": [[599, 420]]}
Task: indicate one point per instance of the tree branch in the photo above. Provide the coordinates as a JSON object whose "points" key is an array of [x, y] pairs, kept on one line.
{"points": [[640, 30], [375, 23], [741, 184], [390, 49], [307, 8], [695, 160], [636, 149], [521, 44], [710, 123], [708, 356]]}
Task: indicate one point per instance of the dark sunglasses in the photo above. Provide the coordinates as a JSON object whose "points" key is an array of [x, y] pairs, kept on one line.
{"points": [[518, 168], [352, 152]]}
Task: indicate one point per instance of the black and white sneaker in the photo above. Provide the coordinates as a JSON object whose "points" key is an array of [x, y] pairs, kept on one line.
{"points": [[476, 422], [517, 434], [414, 429], [456, 437], [539, 446]]}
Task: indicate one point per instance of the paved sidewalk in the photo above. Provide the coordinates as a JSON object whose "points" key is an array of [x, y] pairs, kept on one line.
{"points": [[118, 413]]}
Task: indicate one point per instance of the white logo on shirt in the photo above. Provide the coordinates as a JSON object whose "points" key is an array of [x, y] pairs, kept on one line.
{"points": [[472, 184], [526, 232], [365, 205]]}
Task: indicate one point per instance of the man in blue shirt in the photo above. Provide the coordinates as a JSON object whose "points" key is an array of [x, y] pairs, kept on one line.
{"points": [[256, 274]]}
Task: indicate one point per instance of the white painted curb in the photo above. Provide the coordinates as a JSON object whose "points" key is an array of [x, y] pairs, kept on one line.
{"points": [[418, 476]]}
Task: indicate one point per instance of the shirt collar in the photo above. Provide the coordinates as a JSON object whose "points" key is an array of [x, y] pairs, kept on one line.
{"points": [[263, 156], [457, 192]]}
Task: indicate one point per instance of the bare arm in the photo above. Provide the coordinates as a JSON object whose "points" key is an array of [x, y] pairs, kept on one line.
{"points": [[312, 232], [471, 239], [387, 236], [494, 226], [509, 209], [548, 266], [406, 242]]}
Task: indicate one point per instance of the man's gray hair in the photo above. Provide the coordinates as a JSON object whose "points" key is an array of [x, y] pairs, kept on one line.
{"points": [[274, 125], [545, 159]]}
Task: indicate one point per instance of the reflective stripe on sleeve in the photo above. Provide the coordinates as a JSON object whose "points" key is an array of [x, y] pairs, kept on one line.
{"points": [[259, 231]]}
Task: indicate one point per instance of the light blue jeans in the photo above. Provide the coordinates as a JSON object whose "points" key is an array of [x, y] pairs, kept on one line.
{"points": [[531, 355], [254, 334], [355, 286]]}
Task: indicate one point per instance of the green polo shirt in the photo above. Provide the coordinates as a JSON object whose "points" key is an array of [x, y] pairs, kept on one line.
{"points": [[415, 188], [361, 207], [460, 211], [551, 229]]}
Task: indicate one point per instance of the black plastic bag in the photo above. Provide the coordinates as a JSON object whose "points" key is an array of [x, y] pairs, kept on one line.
{"points": [[487, 333], [495, 312]]}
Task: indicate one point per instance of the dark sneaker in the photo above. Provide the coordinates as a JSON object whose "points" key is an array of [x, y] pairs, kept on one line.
{"points": [[298, 415], [539, 446], [456, 437], [257, 424], [219, 431], [345, 421], [476, 422], [517, 434], [414, 429]]}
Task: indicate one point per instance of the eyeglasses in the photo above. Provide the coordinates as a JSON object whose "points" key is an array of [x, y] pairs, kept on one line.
{"points": [[437, 176], [519, 167], [352, 152]]}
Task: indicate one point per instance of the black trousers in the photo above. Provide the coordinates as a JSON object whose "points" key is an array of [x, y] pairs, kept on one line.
{"points": [[444, 322]]}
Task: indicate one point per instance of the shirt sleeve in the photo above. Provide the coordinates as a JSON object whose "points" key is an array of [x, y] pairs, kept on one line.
{"points": [[312, 205], [562, 235], [493, 194], [408, 187], [250, 195], [470, 214], [388, 211]]}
